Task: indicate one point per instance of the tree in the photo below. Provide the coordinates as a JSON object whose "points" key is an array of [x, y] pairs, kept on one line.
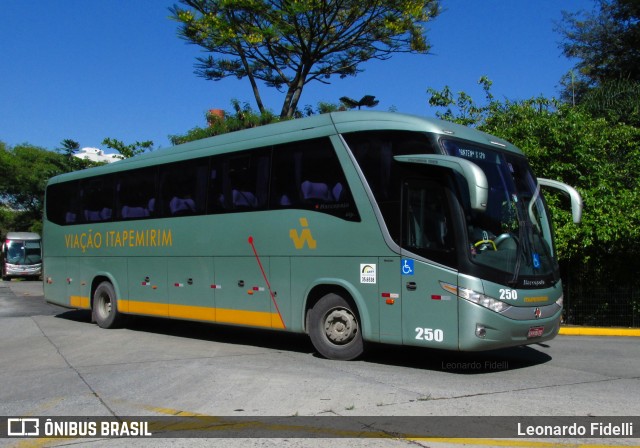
{"points": [[616, 100], [24, 172], [287, 44], [68, 149], [468, 113], [130, 150], [242, 117], [606, 43]]}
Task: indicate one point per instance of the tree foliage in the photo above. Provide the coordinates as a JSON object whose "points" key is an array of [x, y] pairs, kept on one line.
{"points": [[617, 100], [24, 171], [130, 150], [242, 117], [606, 43], [287, 44]]}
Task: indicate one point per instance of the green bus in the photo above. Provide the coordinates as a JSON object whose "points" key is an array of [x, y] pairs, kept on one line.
{"points": [[352, 227]]}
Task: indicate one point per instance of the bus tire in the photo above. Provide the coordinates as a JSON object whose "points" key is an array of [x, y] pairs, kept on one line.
{"points": [[105, 306], [334, 329]]}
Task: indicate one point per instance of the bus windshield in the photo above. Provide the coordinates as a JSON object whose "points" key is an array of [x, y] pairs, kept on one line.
{"points": [[513, 234], [23, 253]]}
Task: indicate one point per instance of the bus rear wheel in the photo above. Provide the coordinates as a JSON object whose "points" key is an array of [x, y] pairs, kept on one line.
{"points": [[334, 329], [105, 306]]}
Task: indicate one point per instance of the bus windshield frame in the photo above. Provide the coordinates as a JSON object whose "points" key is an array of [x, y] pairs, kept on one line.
{"points": [[514, 235]]}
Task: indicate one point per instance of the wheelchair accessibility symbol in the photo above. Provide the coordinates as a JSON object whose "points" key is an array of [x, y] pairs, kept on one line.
{"points": [[407, 267]]}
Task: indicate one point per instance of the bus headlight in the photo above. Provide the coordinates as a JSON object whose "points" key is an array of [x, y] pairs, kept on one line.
{"points": [[482, 300], [560, 301]]}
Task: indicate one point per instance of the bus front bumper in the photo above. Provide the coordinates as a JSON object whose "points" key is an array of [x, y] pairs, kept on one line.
{"points": [[16, 270], [482, 329]]}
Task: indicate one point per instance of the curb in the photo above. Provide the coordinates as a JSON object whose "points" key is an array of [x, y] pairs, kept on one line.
{"points": [[595, 331]]}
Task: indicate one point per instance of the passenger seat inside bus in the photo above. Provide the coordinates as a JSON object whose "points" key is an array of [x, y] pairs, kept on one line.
{"points": [[182, 206], [244, 199], [321, 191], [97, 215], [134, 212]]}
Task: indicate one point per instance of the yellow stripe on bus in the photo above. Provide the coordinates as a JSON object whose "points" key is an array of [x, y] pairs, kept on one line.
{"points": [[79, 302], [221, 315], [148, 308], [254, 318]]}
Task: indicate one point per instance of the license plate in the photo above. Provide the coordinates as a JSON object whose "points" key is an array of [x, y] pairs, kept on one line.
{"points": [[535, 332]]}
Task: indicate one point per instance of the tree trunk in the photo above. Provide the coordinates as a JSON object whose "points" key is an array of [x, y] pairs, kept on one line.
{"points": [[293, 93]]}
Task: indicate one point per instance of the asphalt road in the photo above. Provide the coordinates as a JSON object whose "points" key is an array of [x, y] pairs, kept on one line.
{"points": [[54, 362]]}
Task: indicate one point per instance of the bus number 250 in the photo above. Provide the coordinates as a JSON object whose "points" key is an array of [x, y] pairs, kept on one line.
{"points": [[429, 334]]}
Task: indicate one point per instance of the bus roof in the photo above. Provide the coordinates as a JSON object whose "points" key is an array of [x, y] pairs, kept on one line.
{"points": [[22, 236], [292, 130]]}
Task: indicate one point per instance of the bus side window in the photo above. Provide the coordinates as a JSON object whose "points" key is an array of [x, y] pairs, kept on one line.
{"points": [[184, 187], [136, 194], [62, 205], [308, 175], [97, 199], [242, 183]]}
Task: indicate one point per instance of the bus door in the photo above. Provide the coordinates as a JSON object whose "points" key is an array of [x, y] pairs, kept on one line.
{"points": [[191, 288], [243, 297], [430, 312]]}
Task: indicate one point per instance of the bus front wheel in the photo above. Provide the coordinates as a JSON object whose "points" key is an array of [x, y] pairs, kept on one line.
{"points": [[105, 306], [334, 329]]}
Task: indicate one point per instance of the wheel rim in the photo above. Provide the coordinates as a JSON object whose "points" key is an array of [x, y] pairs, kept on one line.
{"points": [[340, 326], [104, 306]]}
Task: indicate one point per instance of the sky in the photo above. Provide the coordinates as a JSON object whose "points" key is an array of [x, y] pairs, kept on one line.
{"points": [[90, 69]]}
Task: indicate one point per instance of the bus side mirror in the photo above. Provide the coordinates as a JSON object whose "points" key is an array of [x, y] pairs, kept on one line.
{"points": [[574, 196], [475, 177]]}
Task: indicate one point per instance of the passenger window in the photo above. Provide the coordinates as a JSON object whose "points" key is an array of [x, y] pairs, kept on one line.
{"points": [[308, 175], [97, 199], [63, 203], [239, 182], [137, 194], [184, 188]]}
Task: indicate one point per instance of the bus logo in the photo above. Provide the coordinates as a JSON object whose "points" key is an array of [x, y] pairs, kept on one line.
{"points": [[304, 237]]}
